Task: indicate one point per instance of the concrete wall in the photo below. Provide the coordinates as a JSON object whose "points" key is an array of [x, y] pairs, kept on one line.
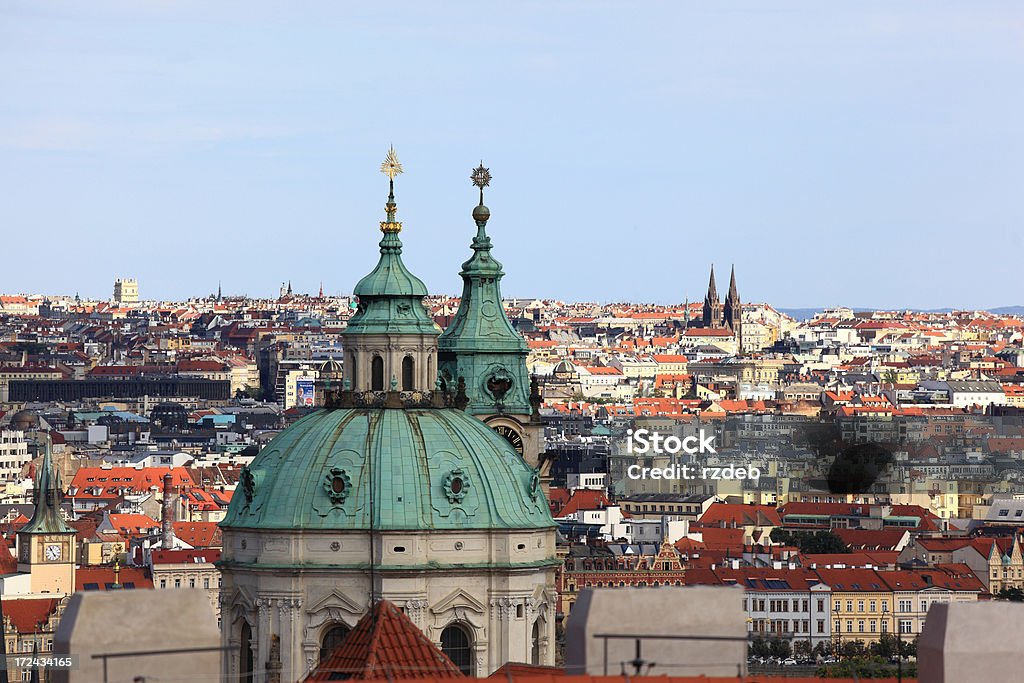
{"points": [[137, 621], [980, 641], [646, 612]]}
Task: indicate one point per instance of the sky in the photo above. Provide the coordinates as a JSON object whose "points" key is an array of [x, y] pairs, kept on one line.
{"points": [[838, 153]]}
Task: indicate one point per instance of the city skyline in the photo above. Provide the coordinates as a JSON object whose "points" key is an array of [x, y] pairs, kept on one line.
{"points": [[859, 155]]}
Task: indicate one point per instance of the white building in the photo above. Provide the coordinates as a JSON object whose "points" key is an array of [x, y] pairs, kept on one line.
{"points": [[13, 454]]}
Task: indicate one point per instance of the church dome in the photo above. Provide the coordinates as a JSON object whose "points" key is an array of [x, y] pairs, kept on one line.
{"points": [[431, 469], [24, 421], [564, 367]]}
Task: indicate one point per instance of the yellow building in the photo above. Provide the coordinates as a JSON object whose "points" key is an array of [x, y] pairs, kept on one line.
{"points": [[861, 604]]}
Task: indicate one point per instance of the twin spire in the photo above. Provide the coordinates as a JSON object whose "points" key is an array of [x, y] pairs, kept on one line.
{"points": [[391, 167]]}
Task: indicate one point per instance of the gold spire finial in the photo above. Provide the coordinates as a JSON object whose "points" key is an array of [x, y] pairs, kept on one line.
{"points": [[391, 166]]}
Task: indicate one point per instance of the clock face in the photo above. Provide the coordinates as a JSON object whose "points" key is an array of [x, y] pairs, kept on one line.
{"points": [[53, 552], [512, 436]]}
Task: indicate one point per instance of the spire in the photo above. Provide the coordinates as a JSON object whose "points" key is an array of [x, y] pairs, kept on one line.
{"points": [[289, 287], [391, 167], [390, 280], [321, 295], [712, 313], [46, 518], [712, 290], [219, 297], [480, 348], [733, 293], [34, 675]]}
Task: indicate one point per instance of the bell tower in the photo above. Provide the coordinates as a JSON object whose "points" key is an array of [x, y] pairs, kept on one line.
{"points": [[46, 545], [482, 350]]}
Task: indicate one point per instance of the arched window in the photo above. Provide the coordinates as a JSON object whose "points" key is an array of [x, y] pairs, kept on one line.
{"points": [[246, 657], [535, 643], [455, 643], [377, 374], [332, 639], [407, 373]]}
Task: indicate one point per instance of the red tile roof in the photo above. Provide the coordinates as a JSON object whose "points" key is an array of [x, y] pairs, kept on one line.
{"points": [[870, 539], [752, 678], [28, 613], [584, 499], [198, 534], [101, 578], [742, 515], [198, 556], [8, 563], [385, 642], [109, 482], [129, 525]]}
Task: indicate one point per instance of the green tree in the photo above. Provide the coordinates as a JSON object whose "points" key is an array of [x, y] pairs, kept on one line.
{"points": [[759, 647], [853, 648], [1011, 594], [801, 649], [780, 648], [885, 647], [809, 542]]}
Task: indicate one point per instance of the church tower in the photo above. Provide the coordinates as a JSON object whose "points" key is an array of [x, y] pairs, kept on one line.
{"points": [[712, 304], [733, 312], [46, 545], [482, 350], [395, 491]]}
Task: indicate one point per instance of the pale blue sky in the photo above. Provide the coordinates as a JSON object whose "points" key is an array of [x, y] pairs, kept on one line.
{"points": [[860, 153]]}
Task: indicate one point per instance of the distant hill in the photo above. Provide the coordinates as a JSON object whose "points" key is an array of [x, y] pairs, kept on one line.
{"points": [[808, 313]]}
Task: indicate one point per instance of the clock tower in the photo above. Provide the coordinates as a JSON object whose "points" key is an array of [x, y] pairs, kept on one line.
{"points": [[482, 351], [46, 545]]}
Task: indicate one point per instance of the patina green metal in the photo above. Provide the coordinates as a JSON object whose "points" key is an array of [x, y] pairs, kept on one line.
{"points": [[363, 469], [481, 345], [47, 518], [390, 297]]}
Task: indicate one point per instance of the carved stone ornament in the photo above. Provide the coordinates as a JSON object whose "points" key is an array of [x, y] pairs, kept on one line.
{"points": [[455, 485], [534, 487], [337, 484], [499, 384], [248, 484]]}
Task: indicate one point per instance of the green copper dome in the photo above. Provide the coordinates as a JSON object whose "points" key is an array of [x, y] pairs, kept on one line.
{"points": [[390, 297], [411, 469]]}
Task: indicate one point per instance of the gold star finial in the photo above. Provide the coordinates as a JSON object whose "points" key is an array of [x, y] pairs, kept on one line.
{"points": [[391, 166]]}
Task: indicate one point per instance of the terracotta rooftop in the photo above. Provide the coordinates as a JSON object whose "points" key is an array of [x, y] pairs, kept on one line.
{"points": [[553, 678], [26, 614], [385, 643]]}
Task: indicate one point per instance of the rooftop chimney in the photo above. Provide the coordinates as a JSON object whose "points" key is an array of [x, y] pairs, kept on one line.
{"points": [[167, 517]]}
